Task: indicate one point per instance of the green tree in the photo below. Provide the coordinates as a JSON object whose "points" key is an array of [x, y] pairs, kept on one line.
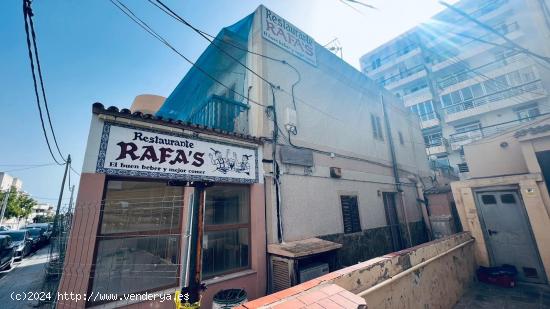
{"points": [[19, 204]]}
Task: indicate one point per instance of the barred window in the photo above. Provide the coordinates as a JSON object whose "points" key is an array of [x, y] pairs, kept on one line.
{"points": [[350, 214]]}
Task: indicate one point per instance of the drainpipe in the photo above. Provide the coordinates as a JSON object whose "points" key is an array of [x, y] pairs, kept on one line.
{"points": [[394, 165]]}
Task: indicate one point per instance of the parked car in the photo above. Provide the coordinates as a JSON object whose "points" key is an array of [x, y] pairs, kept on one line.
{"points": [[47, 228], [36, 237], [7, 252], [21, 241]]}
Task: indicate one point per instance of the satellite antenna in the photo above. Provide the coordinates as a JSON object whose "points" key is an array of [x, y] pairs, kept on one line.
{"points": [[335, 47]]}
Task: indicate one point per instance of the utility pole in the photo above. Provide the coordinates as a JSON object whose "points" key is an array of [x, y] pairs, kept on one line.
{"points": [[56, 218], [71, 201]]}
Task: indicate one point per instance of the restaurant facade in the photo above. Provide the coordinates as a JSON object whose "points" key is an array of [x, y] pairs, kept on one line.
{"points": [[305, 166], [130, 233]]}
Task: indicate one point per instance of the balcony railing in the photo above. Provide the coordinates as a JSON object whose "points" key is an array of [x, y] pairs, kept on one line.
{"points": [[221, 113], [469, 73], [531, 88], [436, 142], [459, 139]]}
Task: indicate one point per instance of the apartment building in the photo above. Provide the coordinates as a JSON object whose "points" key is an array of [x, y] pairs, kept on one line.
{"points": [[7, 182], [473, 70]]}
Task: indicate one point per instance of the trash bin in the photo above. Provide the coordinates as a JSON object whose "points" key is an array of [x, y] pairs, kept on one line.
{"points": [[229, 298]]}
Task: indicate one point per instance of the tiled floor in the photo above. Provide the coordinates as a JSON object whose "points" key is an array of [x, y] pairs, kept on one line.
{"points": [[524, 296]]}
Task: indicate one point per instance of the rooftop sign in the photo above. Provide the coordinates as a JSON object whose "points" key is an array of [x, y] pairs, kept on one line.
{"points": [[137, 152], [287, 36]]}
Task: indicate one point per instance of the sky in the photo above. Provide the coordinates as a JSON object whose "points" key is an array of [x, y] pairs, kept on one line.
{"points": [[90, 52]]}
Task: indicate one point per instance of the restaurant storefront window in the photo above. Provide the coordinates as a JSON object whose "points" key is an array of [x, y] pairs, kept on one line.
{"points": [[226, 242], [137, 246]]}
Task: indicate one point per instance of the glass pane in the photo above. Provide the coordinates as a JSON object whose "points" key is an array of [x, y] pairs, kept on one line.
{"points": [[446, 100], [138, 264], [132, 206], [429, 107], [227, 205], [507, 199], [224, 251], [488, 199], [466, 93], [456, 97], [477, 91]]}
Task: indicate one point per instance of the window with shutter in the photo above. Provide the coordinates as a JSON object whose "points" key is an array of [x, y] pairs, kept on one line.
{"points": [[350, 214]]}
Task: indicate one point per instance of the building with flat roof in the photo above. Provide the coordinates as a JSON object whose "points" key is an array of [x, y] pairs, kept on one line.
{"points": [[466, 81], [7, 182]]}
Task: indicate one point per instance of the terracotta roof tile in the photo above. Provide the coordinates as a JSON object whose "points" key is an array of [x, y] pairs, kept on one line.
{"points": [[98, 108]]}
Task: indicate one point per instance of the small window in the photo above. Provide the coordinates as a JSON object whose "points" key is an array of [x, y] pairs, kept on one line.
{"points": [[507, 199], [528, 113], [376, 127], [488, 199], [350, 214], [401, 140]]}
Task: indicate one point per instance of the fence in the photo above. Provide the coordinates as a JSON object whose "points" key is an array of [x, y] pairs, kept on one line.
{"points": [[56, 257], [128, 243]]}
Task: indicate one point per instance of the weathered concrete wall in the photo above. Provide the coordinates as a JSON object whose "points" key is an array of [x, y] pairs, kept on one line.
{"points": [[361, 246], [449, 270], [367, 244]]}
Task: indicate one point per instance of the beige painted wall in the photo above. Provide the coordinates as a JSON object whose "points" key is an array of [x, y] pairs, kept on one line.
{"points": [[532, 196]]}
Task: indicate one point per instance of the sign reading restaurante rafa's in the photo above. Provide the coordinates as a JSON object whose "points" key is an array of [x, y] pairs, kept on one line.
{"points": [[287, 36], [137, 152]]}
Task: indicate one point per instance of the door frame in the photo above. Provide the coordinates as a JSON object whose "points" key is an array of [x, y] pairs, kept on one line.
{"points": [[510, 188]]}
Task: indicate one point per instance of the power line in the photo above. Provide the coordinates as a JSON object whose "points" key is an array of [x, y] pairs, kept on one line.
{"points": [[492, 30], [128, 12], [27, 13], [30, 14], [30, 167], [210, 38]]}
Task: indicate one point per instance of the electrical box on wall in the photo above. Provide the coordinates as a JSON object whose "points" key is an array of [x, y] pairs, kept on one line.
{"points": [[290, 117]]}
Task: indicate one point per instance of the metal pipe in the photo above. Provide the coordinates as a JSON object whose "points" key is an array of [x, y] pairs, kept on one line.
{"points": [[415, 267], [395, 169]]}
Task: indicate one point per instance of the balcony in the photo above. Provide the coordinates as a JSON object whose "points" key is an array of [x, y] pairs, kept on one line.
{"points": [[389, 62], [416, 97], [429, 123], [221, 113], [470, 76], [410, 76], [498, 100], [457, 140], [436, 146], [476, 50]]}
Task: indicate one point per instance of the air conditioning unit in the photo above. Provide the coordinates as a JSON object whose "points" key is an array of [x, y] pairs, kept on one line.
{"points": [[282, 270], [313, 271]]}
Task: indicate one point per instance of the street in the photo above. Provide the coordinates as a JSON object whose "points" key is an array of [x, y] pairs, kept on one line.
{"points": [[24, 277]]}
